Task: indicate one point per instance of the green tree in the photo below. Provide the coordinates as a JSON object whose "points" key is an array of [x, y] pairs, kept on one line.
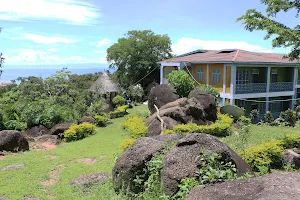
{"points": [[284, 36], [58, 84], [181, 81], [137, 54]]}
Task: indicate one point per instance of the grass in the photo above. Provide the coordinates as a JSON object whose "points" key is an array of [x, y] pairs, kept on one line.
{"points": [[256, 136], [27, 181]]}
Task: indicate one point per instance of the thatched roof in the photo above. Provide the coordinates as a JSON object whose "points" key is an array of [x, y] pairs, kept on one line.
{"points": [[104, 84]]}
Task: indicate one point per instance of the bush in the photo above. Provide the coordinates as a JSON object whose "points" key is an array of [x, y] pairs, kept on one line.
{"points": [[291, 140], [101, 120], [181, 81], [244, 121], [289, 117], [78, 132], [135, 126], [95, 108], [222, 127], [118, 100], [214, 92], [120, 111], [136, 92], [269, 117], [127, 143], [269, 154]]}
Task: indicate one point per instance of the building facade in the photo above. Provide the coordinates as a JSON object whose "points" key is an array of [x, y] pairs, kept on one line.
{"points": [[262, 81]]}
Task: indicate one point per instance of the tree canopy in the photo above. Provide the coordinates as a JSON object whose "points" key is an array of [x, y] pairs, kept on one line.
{"points": [[136, 55], [284, 36]]}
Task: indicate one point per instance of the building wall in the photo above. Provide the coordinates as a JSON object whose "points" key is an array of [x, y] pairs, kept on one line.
{"points": [[228, 79], [218, 86], [196, 68], [166, 68]]}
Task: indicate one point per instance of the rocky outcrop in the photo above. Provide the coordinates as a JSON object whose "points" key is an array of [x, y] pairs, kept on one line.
{"points": [[184, 159], [199, 108], [274, 186], [37, 131], [87, 119], [60, 128], [292, 157], [161, 95], [181, 161], [13, 141]]}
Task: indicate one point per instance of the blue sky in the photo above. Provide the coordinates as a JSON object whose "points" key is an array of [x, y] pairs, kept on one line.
{"points": [[39, 32]]}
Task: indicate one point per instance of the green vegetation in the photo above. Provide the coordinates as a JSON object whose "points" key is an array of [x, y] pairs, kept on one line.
{"points": [[182, 82], [135, 126], [120, 111], [118, 100], [285, 36], [127, 143], [222, 127], [78, 132], [101, 120]]}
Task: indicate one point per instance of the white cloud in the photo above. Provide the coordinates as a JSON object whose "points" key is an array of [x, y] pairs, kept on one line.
{"points": [[52, 50], [71, 11], [40, 39], [185, 45], [103, 42], [32, 56], [102, 59]]}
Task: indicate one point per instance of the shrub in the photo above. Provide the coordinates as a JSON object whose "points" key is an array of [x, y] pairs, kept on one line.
{"points": [[221, 127], [78, 132], [136, 92], [135, 126], [101, 120], [118, 100], [297, 110], [269, 154], [254, 114], [214, 92], [269, 117], [291, 140], [127, 143], [95, 108], [181, 81], [118, 112], [289, 117], [244, 121]]}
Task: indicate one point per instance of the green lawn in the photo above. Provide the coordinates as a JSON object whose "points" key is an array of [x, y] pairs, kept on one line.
{"points": [[27, 181], [103, 146]]}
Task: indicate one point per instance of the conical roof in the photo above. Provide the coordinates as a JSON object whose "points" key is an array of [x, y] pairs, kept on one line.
{"points": [[104, 84]]}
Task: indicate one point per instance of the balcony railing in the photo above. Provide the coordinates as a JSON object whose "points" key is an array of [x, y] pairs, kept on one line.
{"points": [[281, 86], [250, 88]]}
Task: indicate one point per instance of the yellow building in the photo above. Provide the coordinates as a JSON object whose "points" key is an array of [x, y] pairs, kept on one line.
{"points": [[263, 81]]}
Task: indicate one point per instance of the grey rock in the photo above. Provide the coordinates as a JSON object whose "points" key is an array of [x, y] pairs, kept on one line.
{"points": [[12, 167], [49, 139], [155, 127], [31, 198], [87, 119], [183, 160], [292, 157], [13, 141], [274, 186], [37, 131], [60, 128]]}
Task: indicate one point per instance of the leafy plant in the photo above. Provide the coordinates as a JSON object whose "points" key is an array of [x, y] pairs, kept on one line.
{"points": [[127, 143], [120, 111], [254, 114], [135, 126], [136, 92], [289, 117], [101, 120], [291, 140], [95, 108], [185, 186], [214, 169], [78, 132], [118, 100], [244, 121], [181, 81], [269, 117]]}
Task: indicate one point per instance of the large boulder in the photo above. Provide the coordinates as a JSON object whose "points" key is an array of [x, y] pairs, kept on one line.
{"points": [[133, 162], [274, 186], [199, 108], [37, 131], [184, 159], [13, 141], [161, 95], [292, 157], [87, 119], [60, 128], [233, 111]]}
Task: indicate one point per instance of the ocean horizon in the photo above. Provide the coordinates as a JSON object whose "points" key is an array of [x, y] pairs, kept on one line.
{"points": [[12, 72]]}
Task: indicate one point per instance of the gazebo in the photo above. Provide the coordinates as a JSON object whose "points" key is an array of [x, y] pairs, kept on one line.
{"points": [[105, 86]]}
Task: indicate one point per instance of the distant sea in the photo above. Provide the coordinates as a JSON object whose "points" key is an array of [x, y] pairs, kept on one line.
{"points": [[11, 72]]}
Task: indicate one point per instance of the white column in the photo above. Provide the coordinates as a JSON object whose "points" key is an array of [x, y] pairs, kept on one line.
{"points": [[224, 79], [233, 80], [207, 74], [268, 79], [231, 101], [295, 78], [267, 104], [161, 74], [223, 101]]}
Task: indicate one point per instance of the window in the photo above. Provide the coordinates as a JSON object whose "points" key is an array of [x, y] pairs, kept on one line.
{"points": [[242, 76], [169, 70], [240, 103], [200, 75], [276, 106], [274, 76], [216, 76], [255, 75]]}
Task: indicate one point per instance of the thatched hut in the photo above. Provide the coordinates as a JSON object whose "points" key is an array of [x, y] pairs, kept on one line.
{"points": [[105, 87]]}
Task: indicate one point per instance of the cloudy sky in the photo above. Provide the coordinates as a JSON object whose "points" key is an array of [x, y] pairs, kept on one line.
{"points": [[79, 31]]}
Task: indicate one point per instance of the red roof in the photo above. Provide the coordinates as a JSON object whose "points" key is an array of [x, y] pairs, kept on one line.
{"points": [[232, 56]]}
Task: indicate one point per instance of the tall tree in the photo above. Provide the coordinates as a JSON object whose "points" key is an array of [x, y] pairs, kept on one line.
{"points": [[284, 36], [137, 54]]}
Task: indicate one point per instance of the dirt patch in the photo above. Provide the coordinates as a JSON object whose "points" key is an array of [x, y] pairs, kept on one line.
{"points": [[102, 156], [12, 167], [88, 160], [42, 146], [51, 157], [53, 176], [2, 156], [31, 198], [51, 196], [89, 179], [2, 197]]}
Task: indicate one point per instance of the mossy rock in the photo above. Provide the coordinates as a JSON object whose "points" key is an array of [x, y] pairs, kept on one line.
{"points": [[233, 111]]}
